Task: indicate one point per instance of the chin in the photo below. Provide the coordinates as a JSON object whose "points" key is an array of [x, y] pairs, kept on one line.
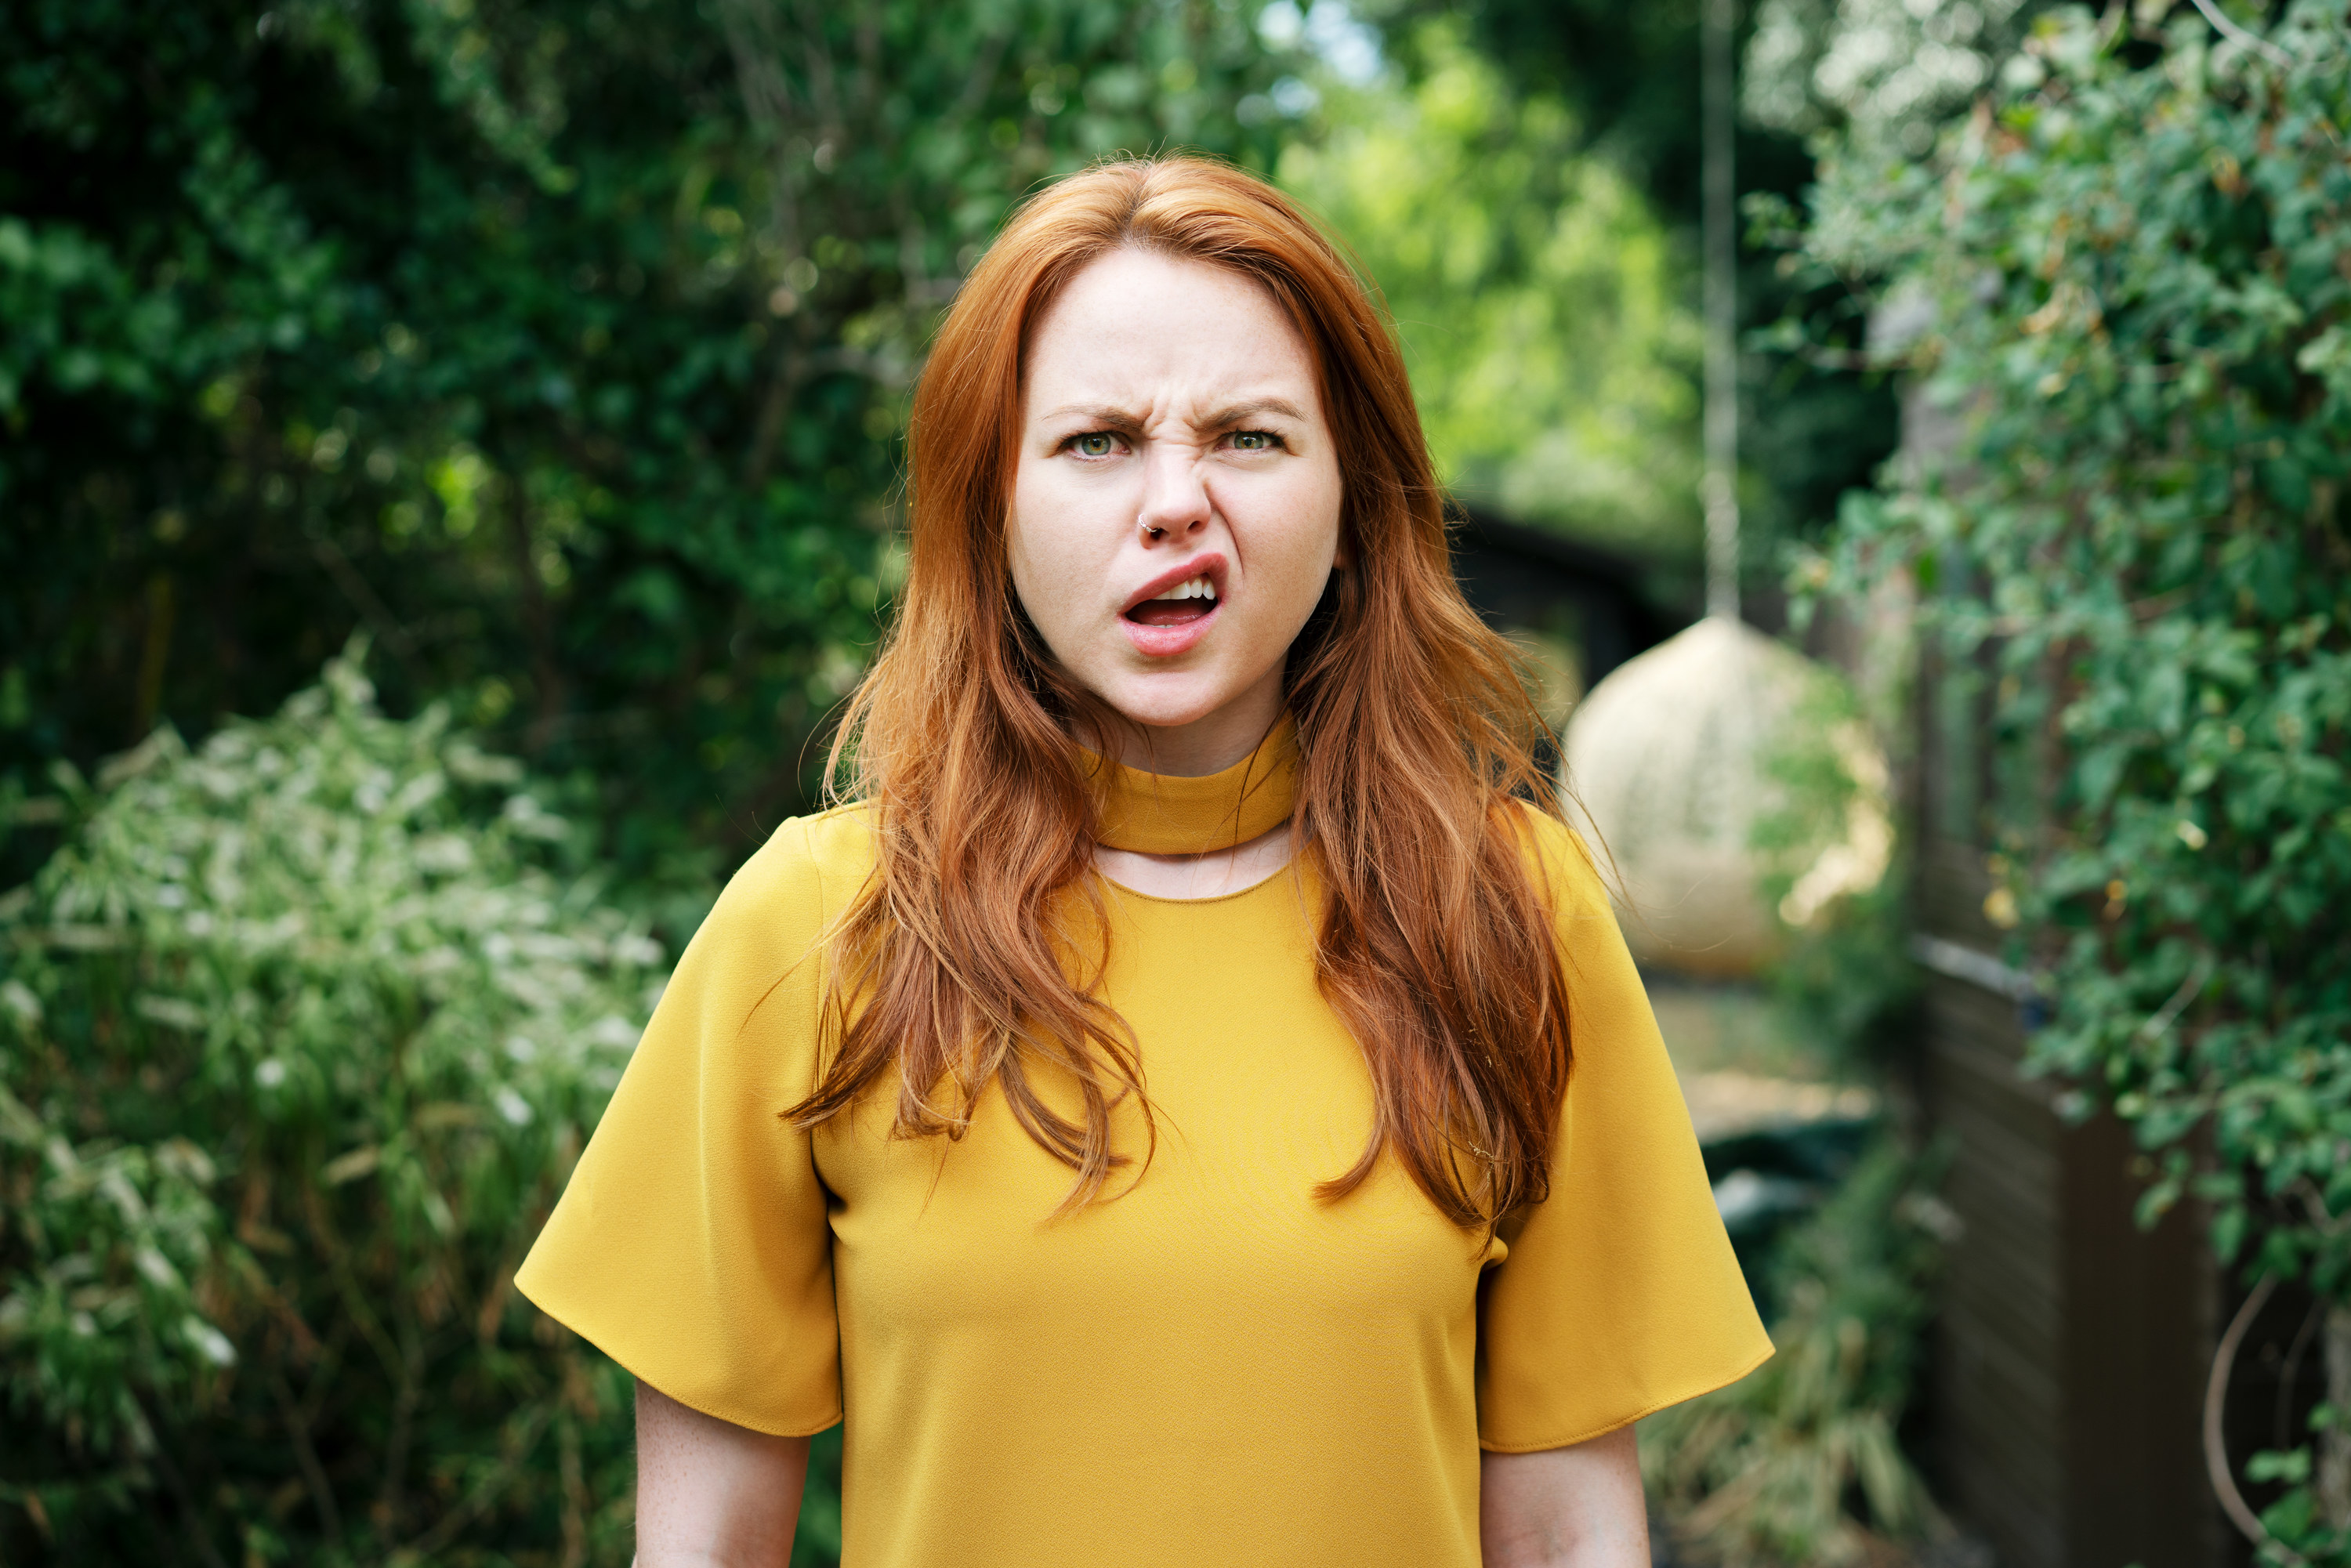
{"points": [[1166, 715], [1168, 703]]}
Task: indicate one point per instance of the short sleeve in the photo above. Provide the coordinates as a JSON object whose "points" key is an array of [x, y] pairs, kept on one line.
{"points": [[691, 1243], [1619, 1294]]}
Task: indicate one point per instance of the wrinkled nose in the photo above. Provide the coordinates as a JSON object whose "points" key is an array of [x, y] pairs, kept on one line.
{"points": [[1176, 504]]}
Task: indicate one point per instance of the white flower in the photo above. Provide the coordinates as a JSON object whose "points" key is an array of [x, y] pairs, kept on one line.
{"points": [[209, 1341]]}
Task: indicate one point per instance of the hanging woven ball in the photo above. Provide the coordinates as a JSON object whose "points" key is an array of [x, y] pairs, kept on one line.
{"points": [[1671, 758]]}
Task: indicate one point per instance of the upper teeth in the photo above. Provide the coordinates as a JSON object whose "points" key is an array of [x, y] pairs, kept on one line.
{"points": [[1190, 588]]}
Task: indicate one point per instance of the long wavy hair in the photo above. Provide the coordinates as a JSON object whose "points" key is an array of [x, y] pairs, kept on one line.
{"points": [[969, 956]]}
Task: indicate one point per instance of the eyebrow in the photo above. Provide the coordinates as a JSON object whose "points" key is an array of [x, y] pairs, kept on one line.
{"points": [[1120, 419]]}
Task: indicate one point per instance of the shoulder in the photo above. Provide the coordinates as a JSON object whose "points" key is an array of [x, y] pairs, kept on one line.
{"points": [[758, 952], [781, 901], [1568, 875], [828, 850]]}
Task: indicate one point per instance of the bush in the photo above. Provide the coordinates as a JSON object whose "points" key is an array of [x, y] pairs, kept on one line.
{"points": [[1833, 869], [1800, 1461], [566, 344], [303, 1031], [2124, 280]]}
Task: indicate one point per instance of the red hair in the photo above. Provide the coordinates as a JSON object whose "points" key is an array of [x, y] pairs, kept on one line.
{"points": [[955, 965]]}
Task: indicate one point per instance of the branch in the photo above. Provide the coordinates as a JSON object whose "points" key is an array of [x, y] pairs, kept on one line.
{"points": [[768, 99], [548, 696], [2216, 1397], [822, 88], [773, 404], [160, 1452], [404, 1423], [485, 1491], [2168, 1014], [364, 597], [2313, 1208], [976, 87], [2238, 35], [306, 1458]]}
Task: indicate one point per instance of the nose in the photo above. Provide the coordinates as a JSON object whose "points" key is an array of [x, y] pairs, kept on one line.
{"points": [[1176, 504]]}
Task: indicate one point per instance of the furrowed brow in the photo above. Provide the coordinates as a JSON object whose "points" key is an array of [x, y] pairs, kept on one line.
{"points": [[1240, 413], [1110, 418]]}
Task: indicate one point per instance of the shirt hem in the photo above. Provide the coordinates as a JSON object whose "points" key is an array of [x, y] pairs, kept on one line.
{"points": [[1705, 1385], [766, 1428]]}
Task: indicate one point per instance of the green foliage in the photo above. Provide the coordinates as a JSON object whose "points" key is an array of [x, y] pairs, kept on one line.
{"points": [[303, 1030], [1543, 310], [1629, 73], [1832, 871], [2295, 1522], [816, 1544], [1628, 79], [1799, 1462], [2140, 323], [1886, 74], [2298, 1522], [563, 344]]}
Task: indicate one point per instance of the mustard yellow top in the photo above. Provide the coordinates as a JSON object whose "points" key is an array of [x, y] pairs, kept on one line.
{"points": [[1165, 814], [1211, 1369]]}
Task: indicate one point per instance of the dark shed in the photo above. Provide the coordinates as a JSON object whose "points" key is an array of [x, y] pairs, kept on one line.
{"points": [[1530, 580]]}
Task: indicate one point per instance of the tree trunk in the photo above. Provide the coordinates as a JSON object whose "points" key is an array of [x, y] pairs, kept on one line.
{"points": [[2335, 1443], [537, 621]]}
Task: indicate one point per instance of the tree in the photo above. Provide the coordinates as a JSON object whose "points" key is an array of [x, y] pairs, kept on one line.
{"points": [[561, 344], [2128, 271], [1628, 75], [1881, 74], [1543, 309]]}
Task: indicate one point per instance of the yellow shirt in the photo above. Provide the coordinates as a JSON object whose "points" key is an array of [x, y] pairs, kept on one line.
{"points": [[1209, 1370]]}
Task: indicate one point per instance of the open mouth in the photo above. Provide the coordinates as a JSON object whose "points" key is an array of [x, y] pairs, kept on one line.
{"points": [[1194, 599]]}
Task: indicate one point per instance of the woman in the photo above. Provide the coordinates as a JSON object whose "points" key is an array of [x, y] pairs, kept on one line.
{"points": [[1194, 1107]]}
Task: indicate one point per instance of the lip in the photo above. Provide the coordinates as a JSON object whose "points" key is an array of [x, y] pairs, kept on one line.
{"points": [[1209, 564], [1167, 642]]}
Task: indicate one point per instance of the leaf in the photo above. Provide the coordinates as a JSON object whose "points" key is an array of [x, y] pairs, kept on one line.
{"points": [[351, 1165]]}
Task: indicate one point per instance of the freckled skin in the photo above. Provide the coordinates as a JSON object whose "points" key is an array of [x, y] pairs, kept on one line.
{"points": [[1171, 394]]}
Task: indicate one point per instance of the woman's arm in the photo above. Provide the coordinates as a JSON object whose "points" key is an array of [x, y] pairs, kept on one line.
{"points": [[1564, 1508], [711, 1494]]}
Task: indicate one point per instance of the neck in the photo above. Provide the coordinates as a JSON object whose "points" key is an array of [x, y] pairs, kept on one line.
{"points": [[1207, 745], [1196, 836], [1176, 814]]}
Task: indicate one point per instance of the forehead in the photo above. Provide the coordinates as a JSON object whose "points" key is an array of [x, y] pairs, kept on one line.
{"points": [[1136, 323]]}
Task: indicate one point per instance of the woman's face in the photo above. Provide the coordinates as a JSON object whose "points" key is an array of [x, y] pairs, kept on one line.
{"points": [[1176, 504]]}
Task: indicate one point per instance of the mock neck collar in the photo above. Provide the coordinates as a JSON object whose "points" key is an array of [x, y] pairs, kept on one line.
{"points": [[1161, 814]]}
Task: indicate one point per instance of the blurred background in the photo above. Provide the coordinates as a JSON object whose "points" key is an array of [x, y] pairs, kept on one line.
{"points": [[449, 469]]}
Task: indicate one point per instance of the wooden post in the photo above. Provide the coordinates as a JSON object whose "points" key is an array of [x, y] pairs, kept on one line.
{"points": [[1719, 490]]}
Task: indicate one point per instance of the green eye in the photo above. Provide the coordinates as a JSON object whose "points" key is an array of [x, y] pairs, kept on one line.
{"points": [[1253, 441], [1096, 445]]}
